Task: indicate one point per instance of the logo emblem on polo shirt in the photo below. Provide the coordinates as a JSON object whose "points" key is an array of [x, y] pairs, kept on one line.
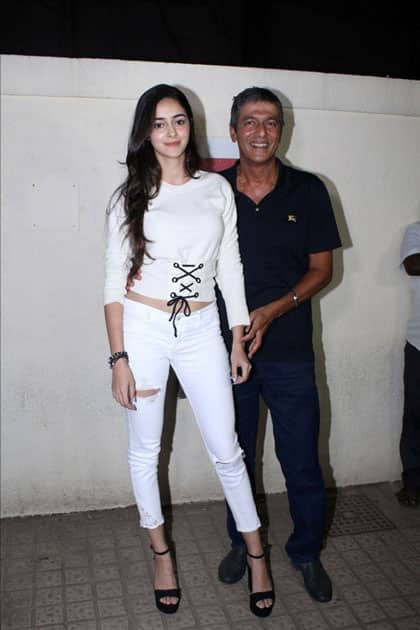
{"points": [[291, 218]]}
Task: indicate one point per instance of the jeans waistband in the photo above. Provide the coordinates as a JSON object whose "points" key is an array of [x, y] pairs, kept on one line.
{"points": [[146, 312]]}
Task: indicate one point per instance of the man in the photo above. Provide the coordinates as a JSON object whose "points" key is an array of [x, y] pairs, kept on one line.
{"points": [[287, 232], [409, 495]]}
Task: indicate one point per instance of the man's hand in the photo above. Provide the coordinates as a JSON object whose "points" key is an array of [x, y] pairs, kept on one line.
{"points": [[261, 319], [130, 281]]}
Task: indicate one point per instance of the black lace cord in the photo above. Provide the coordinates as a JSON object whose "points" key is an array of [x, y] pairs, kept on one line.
{"points": [[180, 303], [187, 274]]}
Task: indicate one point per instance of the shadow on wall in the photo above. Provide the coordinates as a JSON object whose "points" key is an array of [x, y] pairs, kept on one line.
{"points": [[320, 359], [200, 123]]}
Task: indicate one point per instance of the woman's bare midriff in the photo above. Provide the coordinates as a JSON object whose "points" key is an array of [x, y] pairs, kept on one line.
{"points": [[161, 304]]}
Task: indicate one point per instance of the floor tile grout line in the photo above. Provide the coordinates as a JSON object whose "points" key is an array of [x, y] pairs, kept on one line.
{"points": [[92, 580], [208, 568], [393, 548]]}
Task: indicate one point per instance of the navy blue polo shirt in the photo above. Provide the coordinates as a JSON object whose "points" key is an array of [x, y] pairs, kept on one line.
{"points": [[276, 237]]}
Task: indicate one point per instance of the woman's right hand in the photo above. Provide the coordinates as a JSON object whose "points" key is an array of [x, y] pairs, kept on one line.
{"points": [[123, 384]]}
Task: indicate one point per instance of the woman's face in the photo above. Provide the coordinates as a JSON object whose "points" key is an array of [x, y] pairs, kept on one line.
{"points": [[170, 130]]}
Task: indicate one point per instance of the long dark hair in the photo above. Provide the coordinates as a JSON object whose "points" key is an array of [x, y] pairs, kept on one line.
{"points": [[144, 172]]}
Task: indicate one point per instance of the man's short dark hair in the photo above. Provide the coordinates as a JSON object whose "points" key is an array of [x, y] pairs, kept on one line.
{"points": [[253, 95]]}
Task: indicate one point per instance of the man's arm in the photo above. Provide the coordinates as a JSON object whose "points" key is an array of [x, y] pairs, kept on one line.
{"points": [[316, 278], [412, 265]]}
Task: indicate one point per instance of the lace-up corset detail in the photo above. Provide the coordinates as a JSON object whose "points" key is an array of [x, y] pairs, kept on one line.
{"points": [[187, 278], [192, 245]]}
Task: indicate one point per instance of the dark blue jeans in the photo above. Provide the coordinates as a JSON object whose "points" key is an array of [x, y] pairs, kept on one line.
{"points": [[410, 434], [290, 393]]}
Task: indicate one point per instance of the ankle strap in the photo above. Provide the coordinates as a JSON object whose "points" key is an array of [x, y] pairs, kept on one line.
{"points": [[255, 557], [159, 553]]}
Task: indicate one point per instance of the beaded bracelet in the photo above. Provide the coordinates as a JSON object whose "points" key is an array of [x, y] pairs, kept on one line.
{"points": [[117, 355]]}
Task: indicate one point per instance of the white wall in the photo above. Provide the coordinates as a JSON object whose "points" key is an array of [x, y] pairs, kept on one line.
{"points": [[64, 127]]}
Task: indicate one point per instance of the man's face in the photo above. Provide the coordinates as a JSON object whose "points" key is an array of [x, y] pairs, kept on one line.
{"points": [[258, 131]]}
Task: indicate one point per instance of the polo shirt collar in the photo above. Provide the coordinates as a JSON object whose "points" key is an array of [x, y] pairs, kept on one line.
{"points": [[230, 175]]}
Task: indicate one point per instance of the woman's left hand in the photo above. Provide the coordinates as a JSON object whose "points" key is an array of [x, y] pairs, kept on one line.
{"points": [[240, 365]]}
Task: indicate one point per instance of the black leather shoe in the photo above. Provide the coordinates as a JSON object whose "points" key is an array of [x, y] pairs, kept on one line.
{"points": [[409, 497], [316, 580], [232, 567]]}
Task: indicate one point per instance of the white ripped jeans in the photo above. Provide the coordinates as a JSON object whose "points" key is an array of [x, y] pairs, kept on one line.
{"points": [[199, 359]]}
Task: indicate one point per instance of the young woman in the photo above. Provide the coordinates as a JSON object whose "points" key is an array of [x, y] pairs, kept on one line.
{"points": [[178, 224]]}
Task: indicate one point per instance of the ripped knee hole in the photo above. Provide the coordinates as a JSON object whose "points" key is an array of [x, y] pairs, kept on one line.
{"points": [[146, 393]]}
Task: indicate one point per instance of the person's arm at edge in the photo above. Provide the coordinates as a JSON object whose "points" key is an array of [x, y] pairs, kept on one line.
{"points": [[318, 275], [412, 264]]}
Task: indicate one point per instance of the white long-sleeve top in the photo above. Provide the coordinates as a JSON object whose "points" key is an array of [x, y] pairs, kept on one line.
{"points": [[193, 243]]}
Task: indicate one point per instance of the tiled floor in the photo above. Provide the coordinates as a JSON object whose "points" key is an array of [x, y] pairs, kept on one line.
{"points": [[92, 570]]}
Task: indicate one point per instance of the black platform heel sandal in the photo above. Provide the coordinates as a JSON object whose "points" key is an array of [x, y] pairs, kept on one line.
{"points": [[167, 592], [254, 598]]}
